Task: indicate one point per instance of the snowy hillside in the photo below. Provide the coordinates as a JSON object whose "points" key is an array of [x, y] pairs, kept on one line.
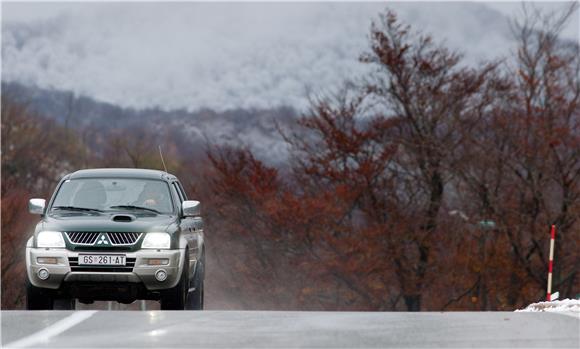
{"points": [[218, 56]]}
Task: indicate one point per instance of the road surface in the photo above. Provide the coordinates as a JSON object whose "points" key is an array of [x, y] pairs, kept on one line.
{"points": [[260, 329]]}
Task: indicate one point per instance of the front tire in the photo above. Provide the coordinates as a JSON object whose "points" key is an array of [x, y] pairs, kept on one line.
{"points": [[175, 298], [195, 298], [38, 298], [64, 304]]}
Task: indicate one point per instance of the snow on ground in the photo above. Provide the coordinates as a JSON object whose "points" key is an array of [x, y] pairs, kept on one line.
{"points": [[569, 306]]}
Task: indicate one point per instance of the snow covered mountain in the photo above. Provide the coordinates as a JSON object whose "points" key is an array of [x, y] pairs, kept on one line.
{"points": [[215, 70], [216, 55]]}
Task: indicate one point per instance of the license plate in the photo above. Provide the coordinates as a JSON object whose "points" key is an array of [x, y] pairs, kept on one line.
{"points": [[101, 259]]}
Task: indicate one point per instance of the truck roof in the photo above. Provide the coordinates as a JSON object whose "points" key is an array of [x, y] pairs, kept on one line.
{"points": [[121, 173]]}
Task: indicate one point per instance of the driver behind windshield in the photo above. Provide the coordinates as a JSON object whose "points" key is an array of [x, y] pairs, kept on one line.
{"points": [[113, 193], [153, 196]]}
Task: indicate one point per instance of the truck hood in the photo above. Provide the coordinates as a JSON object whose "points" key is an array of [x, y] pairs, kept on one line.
{"points": [[105, 223]]}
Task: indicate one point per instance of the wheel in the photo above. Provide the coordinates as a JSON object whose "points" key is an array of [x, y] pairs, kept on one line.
{"points": [[195, 297], [38, 298], [175, 298], [64, 304]]}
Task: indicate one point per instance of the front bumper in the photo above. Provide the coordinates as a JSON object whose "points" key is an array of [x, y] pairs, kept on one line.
{"points": [[142, 272]]}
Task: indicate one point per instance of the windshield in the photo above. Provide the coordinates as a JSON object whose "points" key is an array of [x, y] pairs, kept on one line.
{"points": [[110, 193]]}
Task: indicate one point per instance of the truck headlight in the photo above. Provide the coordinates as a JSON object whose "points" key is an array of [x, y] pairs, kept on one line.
{"points": [[50, 239], [156, 240]]}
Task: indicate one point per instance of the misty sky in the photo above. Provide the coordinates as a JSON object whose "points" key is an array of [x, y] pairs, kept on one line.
{"points": [[223, 55]]}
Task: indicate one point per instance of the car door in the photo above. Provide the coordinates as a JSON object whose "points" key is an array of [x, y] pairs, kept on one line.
{"points": [[190, 229], [197, 221]]}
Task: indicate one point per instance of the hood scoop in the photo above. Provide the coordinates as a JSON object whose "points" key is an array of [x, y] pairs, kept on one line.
{"points": [[123, 218]]}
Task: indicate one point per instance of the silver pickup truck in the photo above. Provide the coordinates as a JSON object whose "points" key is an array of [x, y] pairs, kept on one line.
{"points": [[118, 235]]}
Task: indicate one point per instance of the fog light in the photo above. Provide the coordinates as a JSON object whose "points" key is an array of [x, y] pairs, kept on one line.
{"points": [[47, 260], [158, 261], [43, 274], [161, 275]]}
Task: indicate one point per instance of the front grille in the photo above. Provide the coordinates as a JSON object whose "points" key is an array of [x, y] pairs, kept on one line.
{"points": [[129, 264], [89, 238], [82, 238], [123, 238]]}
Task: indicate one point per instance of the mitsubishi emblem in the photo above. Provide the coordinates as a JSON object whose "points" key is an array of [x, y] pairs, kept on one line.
{"points": [[102, 240]]}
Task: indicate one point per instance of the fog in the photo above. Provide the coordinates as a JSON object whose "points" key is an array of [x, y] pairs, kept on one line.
{"points": [[220, 55]]}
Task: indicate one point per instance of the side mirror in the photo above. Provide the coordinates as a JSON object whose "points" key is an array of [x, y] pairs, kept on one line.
{"points": [[36, 206], [191, 208]]}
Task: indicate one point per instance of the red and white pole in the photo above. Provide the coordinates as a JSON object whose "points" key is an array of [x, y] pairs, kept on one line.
{"points": [[551, 262]]}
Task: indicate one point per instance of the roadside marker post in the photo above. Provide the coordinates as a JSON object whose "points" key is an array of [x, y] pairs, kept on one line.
{"points": [[551, 262]]}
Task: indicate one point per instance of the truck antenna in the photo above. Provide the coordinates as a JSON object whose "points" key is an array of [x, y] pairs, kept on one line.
{"points": [[163, 161]]}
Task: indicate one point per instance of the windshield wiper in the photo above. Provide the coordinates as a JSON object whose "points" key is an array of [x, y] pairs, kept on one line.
{"points": [[133, 207], [74, 208]]}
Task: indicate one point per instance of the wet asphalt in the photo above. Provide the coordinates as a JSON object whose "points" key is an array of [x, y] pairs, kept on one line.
{"points": [[264, 329]]}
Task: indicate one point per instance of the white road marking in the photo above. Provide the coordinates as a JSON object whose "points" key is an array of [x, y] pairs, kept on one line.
{"points": [[55, 329]]}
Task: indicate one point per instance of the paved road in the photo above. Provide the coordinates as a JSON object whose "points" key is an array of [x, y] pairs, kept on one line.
{"points": [[254, 329]]}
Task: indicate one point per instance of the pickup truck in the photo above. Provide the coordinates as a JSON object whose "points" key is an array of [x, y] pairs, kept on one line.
{"points": [[116, 235]]}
